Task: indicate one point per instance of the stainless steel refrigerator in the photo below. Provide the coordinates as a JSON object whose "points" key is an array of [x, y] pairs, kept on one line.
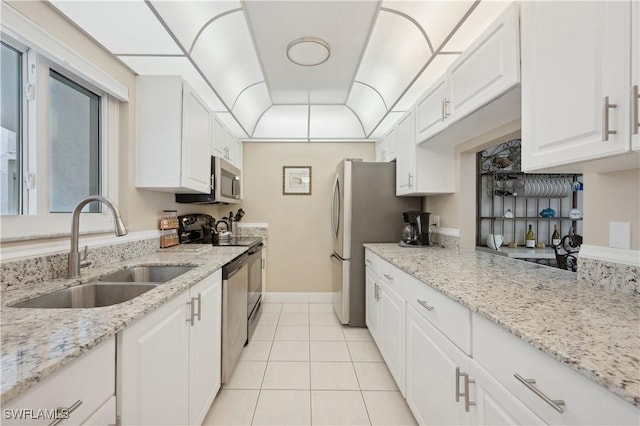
{"points": [[364, 209]]}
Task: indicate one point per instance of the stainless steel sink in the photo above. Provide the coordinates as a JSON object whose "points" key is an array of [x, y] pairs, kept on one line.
{"points": [[147, 274], [91, 295]]}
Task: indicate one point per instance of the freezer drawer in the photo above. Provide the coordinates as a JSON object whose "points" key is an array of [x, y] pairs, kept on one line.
{"points": [[340, 287]]}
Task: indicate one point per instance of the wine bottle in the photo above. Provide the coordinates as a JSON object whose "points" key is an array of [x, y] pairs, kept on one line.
{"points": [[531, 239], [555, 238]]}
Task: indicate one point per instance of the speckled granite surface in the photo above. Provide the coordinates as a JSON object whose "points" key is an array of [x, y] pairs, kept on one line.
{"points": [[54, 266], [38, 342], [608, 275], [253, 230], [592, 330], [446, 240]]}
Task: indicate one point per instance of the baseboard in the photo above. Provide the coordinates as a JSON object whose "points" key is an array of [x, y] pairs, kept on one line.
{"points": [[284, 297], [612, 255]]}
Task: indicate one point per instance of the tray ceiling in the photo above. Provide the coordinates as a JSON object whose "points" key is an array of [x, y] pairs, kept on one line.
{"points": [[382, 56]]}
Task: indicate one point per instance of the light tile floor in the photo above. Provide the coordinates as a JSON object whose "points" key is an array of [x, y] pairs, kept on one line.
{"points": [[302, 367]]}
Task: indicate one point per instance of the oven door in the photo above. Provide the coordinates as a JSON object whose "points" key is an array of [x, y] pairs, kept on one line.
{"points": [[226, 181]]}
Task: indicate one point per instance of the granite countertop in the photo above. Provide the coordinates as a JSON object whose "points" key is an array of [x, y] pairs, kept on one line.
{"points": [[38, 342], [593, 331]]}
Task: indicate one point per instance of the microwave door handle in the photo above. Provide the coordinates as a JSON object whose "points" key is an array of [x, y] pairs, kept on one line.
{"points": [[235, 184]]}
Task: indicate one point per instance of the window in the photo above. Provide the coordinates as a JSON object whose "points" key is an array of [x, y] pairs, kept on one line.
{"points": [[74, 148], [11, 131]]}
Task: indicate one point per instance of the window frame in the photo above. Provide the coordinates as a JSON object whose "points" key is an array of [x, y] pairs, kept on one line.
{"points": [[36, 222]]}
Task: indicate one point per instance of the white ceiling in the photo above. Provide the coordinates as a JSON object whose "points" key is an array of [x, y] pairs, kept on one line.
{"points": [[384, 55]]}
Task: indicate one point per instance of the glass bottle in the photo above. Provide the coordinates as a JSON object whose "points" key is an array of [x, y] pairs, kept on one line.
{"points": [[531, 239], [555, 237]]}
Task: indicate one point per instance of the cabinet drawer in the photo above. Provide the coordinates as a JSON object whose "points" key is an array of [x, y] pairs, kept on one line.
{"points": [[392, 277], [90, 379], [448, 316], [503, 355], [372, 261]]}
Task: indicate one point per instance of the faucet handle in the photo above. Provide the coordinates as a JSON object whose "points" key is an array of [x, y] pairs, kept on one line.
{"points": [[85, 262]]}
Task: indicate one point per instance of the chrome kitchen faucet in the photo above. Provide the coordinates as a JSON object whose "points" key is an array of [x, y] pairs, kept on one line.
{"points": [[74, 255]]}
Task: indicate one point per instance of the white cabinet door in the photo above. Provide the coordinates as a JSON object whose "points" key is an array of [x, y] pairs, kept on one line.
{"points": [[204, 346], [635, 75], [392, 333], [89, 380], [406, 159], [196, 142], [487, 69], [371, 296], [431, 374], [575, 58], [153, 367], [239, 153], [380, 150], [431, 116], [495, 405], [218, 141]]}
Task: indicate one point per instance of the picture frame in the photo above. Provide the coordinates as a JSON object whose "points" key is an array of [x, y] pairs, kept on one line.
{"points": [[296, 180]]}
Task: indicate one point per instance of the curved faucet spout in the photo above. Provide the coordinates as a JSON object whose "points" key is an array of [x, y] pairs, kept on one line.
{"points": [[74, 255]]}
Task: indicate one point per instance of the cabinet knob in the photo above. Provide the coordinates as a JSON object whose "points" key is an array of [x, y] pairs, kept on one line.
{"points": [[63, 413]]}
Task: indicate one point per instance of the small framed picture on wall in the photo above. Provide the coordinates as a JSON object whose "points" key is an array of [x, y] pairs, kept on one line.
{"points": [[296, 180]]}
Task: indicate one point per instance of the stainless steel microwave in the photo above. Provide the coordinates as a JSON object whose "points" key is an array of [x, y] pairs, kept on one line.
{"points": [[225, 185]]}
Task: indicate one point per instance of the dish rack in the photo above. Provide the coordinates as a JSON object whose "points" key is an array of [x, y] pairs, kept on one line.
{"points": [[169, 229], [509, 200]]}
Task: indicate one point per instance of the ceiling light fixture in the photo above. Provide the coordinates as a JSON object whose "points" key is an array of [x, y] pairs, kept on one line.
{"points": [[308, 51]]}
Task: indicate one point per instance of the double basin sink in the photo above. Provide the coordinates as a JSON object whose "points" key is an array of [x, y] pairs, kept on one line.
{"points": [[111, 289]]}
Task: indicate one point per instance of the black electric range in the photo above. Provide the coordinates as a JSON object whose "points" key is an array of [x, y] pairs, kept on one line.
{"points": [[197, 228]]}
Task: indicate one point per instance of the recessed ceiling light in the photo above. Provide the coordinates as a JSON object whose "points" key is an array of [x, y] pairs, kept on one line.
{"points": [[308, 51]]}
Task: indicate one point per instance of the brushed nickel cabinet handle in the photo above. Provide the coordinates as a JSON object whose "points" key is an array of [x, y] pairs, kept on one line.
{"points": [[199, 299], [377, 292], [635, 120], [467, 380], [424, 305], [389, 277], [605, 119], [368, 261], [442, 112], [445, 107], [556, 404], [410, 183], [63, 413], [192, 312]]}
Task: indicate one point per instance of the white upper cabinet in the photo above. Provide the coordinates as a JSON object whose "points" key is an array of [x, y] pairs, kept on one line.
{"points": [[386, 146], [576, 81], [487, 69], [430, 111], [174, 134], [225, 145], [406, 157]]}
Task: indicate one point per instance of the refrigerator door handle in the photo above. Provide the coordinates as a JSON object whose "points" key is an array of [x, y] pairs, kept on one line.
{"points": [[335, 209]]}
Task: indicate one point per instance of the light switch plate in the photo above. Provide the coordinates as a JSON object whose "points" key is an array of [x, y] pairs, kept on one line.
{"points": [[620, 235]]}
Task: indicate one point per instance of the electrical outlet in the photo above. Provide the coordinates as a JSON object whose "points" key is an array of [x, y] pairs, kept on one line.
{"points": [[436, 221], [620, 235]]}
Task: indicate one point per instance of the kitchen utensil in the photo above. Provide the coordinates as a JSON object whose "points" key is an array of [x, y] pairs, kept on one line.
{"points": [[575, 214], [549, 212], [508, 214]]}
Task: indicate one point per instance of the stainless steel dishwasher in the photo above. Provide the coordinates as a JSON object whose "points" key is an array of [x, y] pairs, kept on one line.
{"points": [[235, 279]]}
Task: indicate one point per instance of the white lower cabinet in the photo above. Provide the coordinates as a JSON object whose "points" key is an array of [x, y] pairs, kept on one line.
{"points": [[391, 331], [82, 390], [169, 361], [455, 367], [432, 361], [372, 303], [571, 398]]}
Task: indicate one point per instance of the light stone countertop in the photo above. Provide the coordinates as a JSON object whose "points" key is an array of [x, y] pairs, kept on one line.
{"points": [[38, 342], [593, 331]]}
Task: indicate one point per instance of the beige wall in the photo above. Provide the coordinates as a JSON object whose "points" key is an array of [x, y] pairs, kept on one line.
{"points": [[458, 210], [300, 241], [140, 208], [611, 197]]}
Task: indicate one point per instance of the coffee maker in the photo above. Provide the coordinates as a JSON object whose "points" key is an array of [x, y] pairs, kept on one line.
{"points": [[415, 231]]}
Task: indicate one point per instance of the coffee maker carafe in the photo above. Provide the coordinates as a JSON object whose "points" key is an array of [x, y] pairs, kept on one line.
{"points": [[416, 228]]}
